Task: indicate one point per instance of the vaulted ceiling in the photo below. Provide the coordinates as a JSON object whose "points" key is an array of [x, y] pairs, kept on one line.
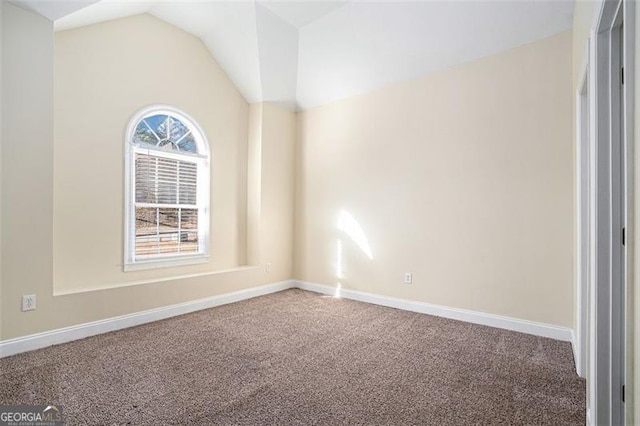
{"points": [[307, 53]]}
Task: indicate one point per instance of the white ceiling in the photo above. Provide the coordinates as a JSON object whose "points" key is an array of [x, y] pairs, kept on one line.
{"points": [[300, 13], [307, 53]]}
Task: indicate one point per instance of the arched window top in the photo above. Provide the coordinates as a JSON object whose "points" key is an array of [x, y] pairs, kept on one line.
{"points": [[167, 129]]}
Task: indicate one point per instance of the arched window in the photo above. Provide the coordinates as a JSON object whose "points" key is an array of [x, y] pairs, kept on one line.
{"points": [[167, 190]]}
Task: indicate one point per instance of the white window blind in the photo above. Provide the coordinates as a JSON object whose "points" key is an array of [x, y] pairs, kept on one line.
{"points": [[166, 180]]}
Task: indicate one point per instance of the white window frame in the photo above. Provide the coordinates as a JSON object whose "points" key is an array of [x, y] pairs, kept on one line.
{"points": [[203, 159]]}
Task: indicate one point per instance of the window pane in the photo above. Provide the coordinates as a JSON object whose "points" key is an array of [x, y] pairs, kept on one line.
{"points": [[189, 219], [168, 220], [143, 135], [166, 231], [177, 129], [155, 122], [166, 132], [189, 231], [188, 144], [146, 231]]}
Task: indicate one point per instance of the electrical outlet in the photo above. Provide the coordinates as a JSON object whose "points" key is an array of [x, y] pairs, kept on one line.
{"points": [[28, 302], [267, 267], [408, 277]]}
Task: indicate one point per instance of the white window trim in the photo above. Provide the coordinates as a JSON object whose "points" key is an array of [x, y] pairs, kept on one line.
{"points": [[204, 173]]}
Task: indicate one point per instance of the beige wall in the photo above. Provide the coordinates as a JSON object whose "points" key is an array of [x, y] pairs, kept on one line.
{"points": [[27, 166], [271, 157], [462, 177], [277, 183], [28, 190], [104, 74]]}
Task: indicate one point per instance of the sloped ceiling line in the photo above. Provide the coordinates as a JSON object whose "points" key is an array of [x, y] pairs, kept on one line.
{"points": [[302, 54], [278, 53]]}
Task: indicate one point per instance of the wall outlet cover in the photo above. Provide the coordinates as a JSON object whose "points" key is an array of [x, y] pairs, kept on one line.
{"points": [[28, 302]]}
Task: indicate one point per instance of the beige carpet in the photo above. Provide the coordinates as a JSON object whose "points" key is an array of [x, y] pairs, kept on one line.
{"points": [[295, 358]]}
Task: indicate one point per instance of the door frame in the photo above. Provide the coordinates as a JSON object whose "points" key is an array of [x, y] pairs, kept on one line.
{"points": [[584, 196], [611, 127]]}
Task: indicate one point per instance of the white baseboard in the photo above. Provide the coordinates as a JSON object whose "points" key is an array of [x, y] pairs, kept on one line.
{"points": [[576, 355], [507, 323], [76, 332]]}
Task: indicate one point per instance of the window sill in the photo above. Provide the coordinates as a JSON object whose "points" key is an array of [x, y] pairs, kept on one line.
{"points": [[165, 263]]}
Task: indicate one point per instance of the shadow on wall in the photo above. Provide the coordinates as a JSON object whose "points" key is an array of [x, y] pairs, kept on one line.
{"points": [[349, 231]]}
